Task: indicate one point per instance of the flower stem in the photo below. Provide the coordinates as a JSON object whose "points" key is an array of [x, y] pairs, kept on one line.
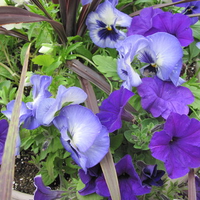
{"points": [[191, 185]]}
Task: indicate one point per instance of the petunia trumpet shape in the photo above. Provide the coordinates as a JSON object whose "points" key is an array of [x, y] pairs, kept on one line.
{"points": [[160, 98], [129, 182], [82, 135], [102, 25], [112, 109], [177, 145], [43, 192]]}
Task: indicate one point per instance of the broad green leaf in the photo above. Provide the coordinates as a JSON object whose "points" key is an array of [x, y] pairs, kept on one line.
{"points": [[115, 142], [107, 66], [196, 30], [48, 70], [193, 51], [43, 60]]}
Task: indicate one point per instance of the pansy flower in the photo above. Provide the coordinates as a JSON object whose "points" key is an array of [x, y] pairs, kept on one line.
{"points": [[128, 49], [28, 110], [103, 22], [162, 52], [160, 98], [177, 145], [129, 182], [49, 107], [43, 192], [112, 109], [82, 135]]}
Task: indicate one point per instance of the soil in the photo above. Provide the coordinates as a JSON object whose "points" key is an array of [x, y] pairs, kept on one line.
{"points": [[24, 173]]}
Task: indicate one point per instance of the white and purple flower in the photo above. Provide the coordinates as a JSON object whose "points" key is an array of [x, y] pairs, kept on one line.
{"points": [[102, 25]]}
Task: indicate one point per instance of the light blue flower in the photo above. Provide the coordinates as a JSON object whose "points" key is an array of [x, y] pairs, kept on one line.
{"points": [[82, 135], [47, 110], [162, 52], [102, 25]]}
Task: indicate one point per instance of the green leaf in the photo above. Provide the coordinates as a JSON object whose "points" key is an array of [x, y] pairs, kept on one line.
{"points": [[106, 65], [115, 142], [48, 70], [193, 51], [85, 52], [43, 60], [196, 30], [5, 73], [72, 47]]}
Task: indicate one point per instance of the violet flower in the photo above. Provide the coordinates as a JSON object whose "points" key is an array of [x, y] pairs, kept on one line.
{"points": [[28, 110], [112, 109], [128, 49], [82, 135], [46, 111], [102, 25], [151, 176], [3, 134], [160, 98], [197, 184], [43, 192], [152, 21], [161, 51], [89, 179], [190, 8], [143, 24], [177, 145], [129, 182]]}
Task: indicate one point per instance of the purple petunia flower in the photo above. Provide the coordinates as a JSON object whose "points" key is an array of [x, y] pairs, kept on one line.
{"points": [[129, 182], [160, 98], [177, 145], [3, 134], [102, 25], [82, 135], [43, 192], [112, 109], [47, 110], [152, 176], [190, 8], [89, 179], [143, 24], [152, 21]]}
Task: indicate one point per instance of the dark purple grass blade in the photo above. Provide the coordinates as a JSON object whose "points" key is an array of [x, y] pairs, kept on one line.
{"points": [[11, 14]]}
